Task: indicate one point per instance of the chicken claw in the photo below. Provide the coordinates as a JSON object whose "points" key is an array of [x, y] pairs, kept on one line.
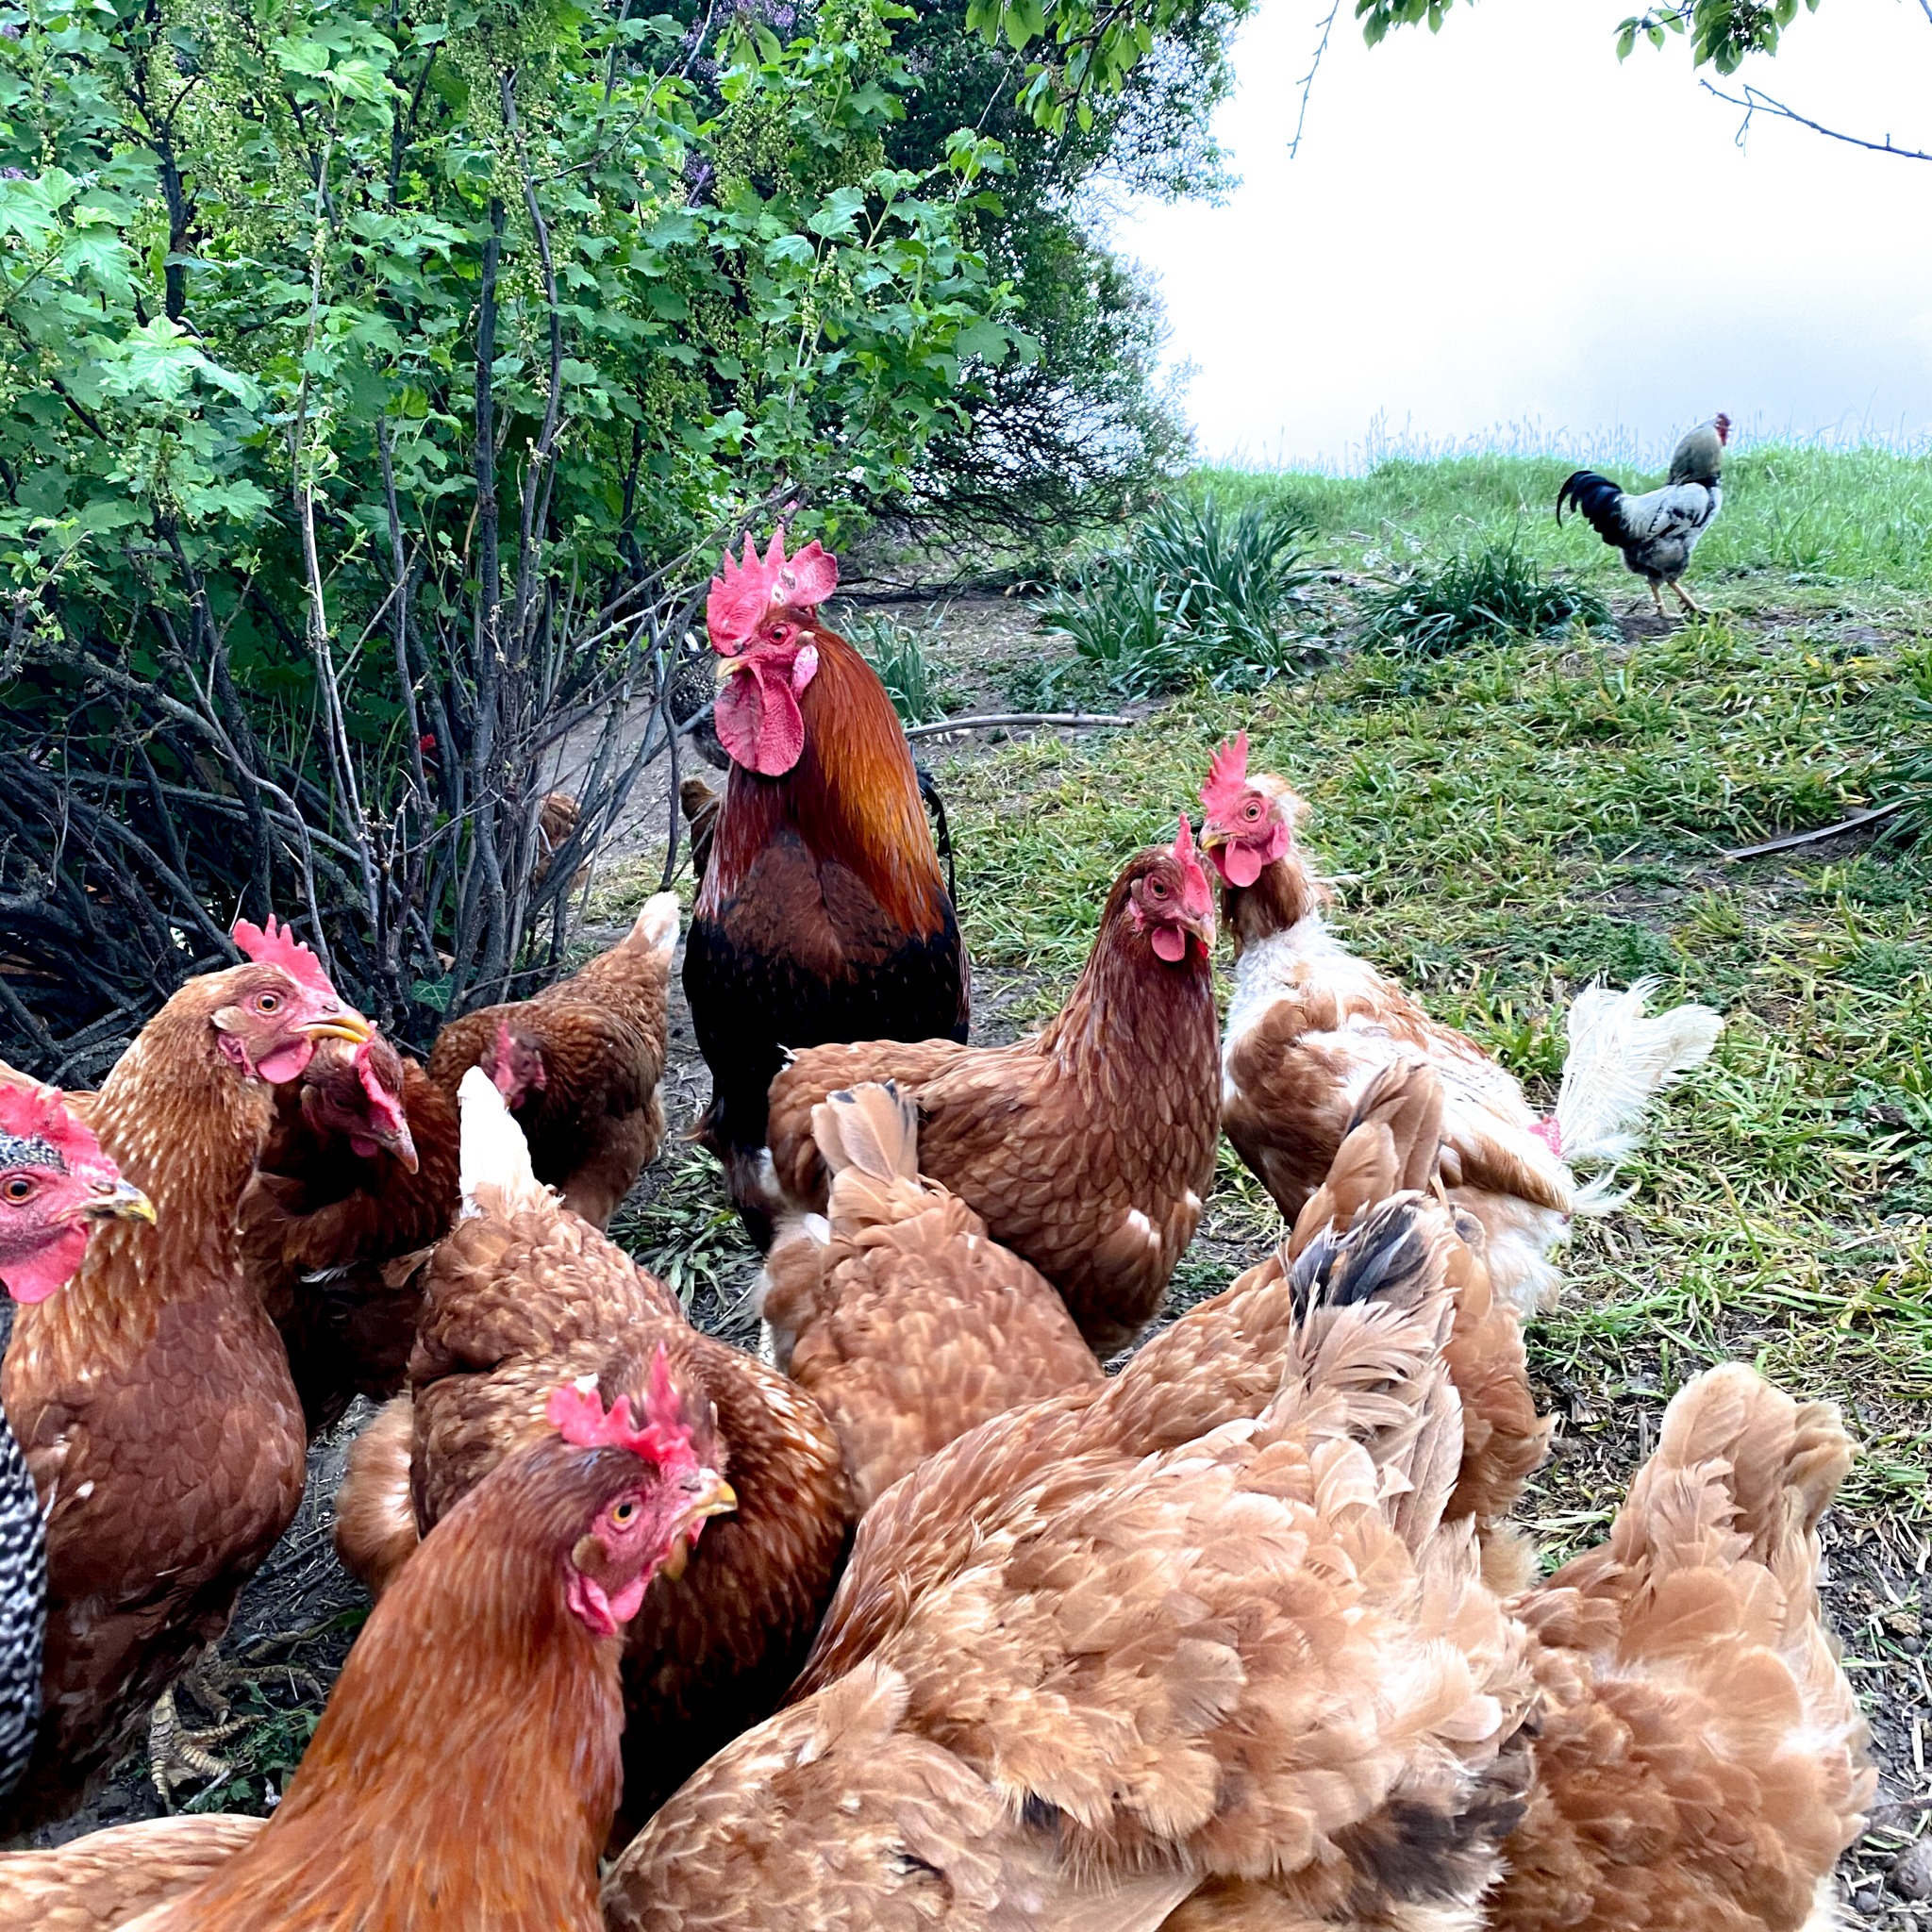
{"points": [[1685, 599], [176, 1755]]}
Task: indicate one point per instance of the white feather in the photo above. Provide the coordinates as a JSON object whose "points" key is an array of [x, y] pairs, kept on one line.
{"points": [[1618, 1060], [492, 1151], [656, 924]]}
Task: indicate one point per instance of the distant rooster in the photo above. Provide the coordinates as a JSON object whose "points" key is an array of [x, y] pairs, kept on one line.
{"points": [[1658, 531]]}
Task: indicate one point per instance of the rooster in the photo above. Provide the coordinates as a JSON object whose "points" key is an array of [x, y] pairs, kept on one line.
{"points": [[1658, 531], [822, 914], [1087, 1148]]}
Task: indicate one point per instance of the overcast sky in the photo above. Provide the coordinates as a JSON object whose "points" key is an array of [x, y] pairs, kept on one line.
{"points": [[1500, 224]]}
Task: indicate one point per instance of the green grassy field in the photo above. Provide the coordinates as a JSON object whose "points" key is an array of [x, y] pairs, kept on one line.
{"points": [[1794, 518]]}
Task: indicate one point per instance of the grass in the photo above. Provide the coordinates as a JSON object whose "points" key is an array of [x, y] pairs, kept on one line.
{"points": [[1490, 591], [1515, 820], [1801, 517], [1200, 588], [903, 657]]}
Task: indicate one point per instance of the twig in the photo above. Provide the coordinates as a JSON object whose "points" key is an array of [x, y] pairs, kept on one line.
{"points": [[1756, 103], [1820, 832], [1301, 120], [995, 719]]}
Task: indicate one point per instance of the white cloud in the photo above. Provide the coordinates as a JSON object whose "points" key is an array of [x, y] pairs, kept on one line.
{"points": [[1500, 224]]}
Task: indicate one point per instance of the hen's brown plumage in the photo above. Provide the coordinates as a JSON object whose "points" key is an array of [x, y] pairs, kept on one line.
{"points": [[897, 1311], [1390, 1148], [1087, 1148], [101, 1882], [466, 1770], [525, 1295], [152, 1396], [333, 1239], [1701, 1759], [586, 1057], [1255, 1661]]}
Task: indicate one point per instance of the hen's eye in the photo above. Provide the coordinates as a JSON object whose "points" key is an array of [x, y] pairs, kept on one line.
{"points": [[19, 1188], [269, 1003], [621, 1513], [1253, 809], [1158, 887]]}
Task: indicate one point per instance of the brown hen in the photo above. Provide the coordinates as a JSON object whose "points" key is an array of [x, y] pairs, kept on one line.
{"points": [[465, 1772], [1389, 1149], [1253, 1668], [896, 1311], [356, 1181], [579, 1064], [1700, 1761], [1087, 1148], [523, 1295], [152, 1397]]}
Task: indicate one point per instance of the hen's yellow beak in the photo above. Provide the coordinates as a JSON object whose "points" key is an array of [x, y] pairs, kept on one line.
{"points": [[123, 1202], [347, 1025]]}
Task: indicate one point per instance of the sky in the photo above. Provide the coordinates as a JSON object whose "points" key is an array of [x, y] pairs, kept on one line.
{"points": [[1501, 225]]}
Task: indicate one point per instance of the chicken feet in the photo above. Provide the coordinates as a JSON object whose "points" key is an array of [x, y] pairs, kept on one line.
{"points": [[1684, 598], [175, 1753]]}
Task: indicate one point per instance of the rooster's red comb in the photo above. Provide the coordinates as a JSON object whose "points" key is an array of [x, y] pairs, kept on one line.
{"points": [[41, 1113], [744, 592], [1227, 777], [576, 1413], [276, 945]]}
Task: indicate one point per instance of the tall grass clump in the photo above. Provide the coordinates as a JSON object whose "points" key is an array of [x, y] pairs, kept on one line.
{"points": [[1200, 588], [1476, 594], [903, 658]]}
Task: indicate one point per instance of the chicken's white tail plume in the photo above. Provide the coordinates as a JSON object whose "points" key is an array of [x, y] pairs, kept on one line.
{"points": [[494, 1152], [1619, 1058], [656, 924]]}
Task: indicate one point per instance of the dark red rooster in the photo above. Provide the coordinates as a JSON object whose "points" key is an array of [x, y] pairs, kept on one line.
{"points": [[821, 915]]}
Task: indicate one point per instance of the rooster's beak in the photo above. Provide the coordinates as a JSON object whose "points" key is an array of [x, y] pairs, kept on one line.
{"points": [[727, 666], [404, 1147], [123, 1202], [347, 1025]]}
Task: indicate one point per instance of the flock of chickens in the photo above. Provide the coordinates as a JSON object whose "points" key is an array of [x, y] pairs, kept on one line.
{"points": [[920, 1619]]}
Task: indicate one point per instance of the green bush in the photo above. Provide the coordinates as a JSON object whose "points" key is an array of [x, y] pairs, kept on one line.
{"points": [[1476, 595], [1197, 590]]}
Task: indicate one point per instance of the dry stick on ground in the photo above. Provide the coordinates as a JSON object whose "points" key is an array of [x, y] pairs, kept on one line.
{"points": [[994, 719], [1817, 833]]}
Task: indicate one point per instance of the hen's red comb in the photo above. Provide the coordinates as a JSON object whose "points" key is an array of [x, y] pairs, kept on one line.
{"points": [[1227, 776], [384, 1105], [278, 946], [41, 1113], [576, 1413], [1197, 896], [743, 594]]}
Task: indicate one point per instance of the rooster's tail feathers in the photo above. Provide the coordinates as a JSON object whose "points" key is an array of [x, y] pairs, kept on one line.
{"points": [[1619, 1058], [1598, 501], [493, 1151]]}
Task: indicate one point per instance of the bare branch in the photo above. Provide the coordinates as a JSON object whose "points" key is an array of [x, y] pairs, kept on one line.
{"points": [[1754, 102], [1308, 80]]}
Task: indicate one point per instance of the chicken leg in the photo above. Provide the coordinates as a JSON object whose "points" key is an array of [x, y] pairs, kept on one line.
{"points": [[176, 1753], [1684, 598], [1657, 596]]}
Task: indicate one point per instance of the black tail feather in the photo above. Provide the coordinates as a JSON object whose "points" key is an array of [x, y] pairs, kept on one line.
{"points": [[1598, 501]]}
